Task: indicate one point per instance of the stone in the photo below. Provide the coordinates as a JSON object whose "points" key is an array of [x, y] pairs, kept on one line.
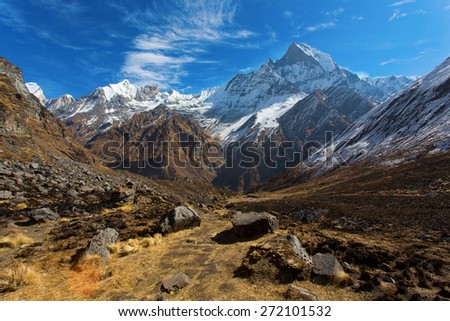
{"points": [[326, 265], [18, 200], [5, 172], [176, 282], [309, 215], [100, 242], [179, 218], [72, 194], [295, 293], [34, 165], [388, 279], [282, 259], [86, 189], [5, 195], [254, 224], [121, 194], [42, 215]]}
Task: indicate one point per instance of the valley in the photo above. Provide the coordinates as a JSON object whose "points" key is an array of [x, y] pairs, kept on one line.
{"points": [[74, 226]]}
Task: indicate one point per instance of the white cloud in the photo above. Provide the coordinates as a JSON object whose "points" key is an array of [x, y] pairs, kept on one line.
{"points": [[397, 14], [64, 7], [358, 18], [387, 62], [321, 26], [288, 14], [401, 3], [174, 36], [335, 13], [12, 18]]}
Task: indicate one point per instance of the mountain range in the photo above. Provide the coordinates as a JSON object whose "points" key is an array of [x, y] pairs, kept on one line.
{"points": [[345, 187], [297, 98]]}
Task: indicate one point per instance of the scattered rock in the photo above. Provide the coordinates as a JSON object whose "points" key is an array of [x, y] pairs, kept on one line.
{"points": [[5, 195], [122, 194], [281, 259], [309, 215], [99, 243], [326, 267], [388, 279], [295, 293], [34, 165], [72, 194], [42, 215], [86, 189], [179, 218], [254, 224], [176, 282]]}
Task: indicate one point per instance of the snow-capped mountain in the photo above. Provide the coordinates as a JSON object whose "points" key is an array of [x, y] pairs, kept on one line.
{"points": [[34, 89], [310, 69], [53, 104], [256, 99], [415, 121]]}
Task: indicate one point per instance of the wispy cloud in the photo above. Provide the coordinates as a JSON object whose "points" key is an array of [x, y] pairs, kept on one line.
{"points": [[11, 17], [288, 14], [420, 55], [176, 36], [387, 62], [397, 14], [63, 7], [358, 18], [321, 26], [401, 3], [447, 7], [335, 13]]}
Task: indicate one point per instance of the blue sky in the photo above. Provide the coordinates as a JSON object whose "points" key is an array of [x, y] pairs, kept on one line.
{"points": [[74, 46]]}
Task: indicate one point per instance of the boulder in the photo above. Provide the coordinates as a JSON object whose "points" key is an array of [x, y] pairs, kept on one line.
{"points": [[282, 259], [179, 218], [176, 282], [254, 224], [122, 194], [5, 195], [100, 242], [42, 215], [295, 293], [326, 266]]}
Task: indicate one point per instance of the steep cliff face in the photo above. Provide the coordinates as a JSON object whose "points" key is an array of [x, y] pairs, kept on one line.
{"points": [[26, 127]]}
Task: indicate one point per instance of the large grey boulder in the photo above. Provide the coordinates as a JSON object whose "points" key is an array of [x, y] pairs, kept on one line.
{"points": [[326, 266], [254, 224], [281, 259], [176, 282], [179, 218], [42, 215], [100, 242]]}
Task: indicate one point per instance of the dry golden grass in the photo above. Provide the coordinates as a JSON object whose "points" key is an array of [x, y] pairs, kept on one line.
{"points": [[85, 277], [17, 275], [14, 239], [134, 245]]}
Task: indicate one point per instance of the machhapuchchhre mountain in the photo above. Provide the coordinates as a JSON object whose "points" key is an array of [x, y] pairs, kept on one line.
{"points": [[299, 180]]}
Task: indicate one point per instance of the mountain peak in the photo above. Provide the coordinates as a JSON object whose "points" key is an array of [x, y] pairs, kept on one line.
{"points": [[303, 53], [36, 91]]}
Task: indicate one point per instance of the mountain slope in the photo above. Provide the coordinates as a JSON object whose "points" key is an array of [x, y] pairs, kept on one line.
{"points": [[415, 121], [26, 127], [159, 143]]}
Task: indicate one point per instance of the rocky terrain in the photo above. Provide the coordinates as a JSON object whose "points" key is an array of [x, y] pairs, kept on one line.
{"points": [[72, 229]]}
